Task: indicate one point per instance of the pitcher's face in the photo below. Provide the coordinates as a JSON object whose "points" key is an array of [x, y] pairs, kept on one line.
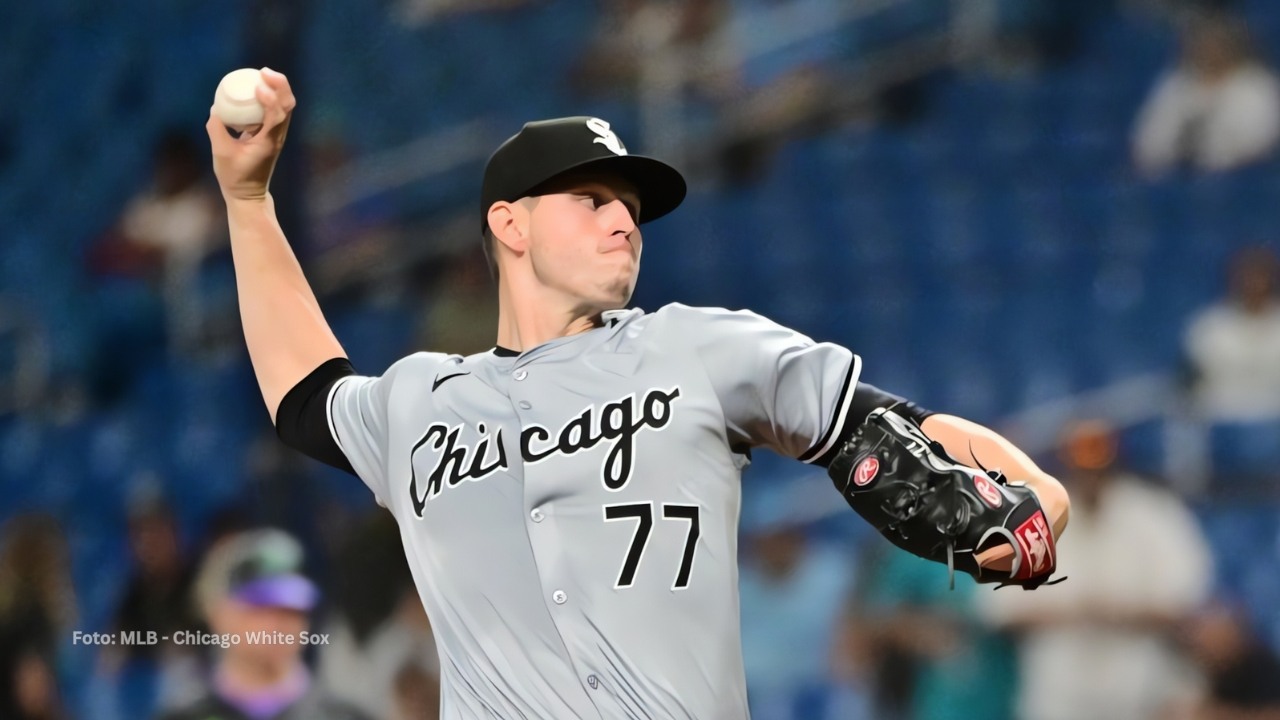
{"points": [[584, 240]]}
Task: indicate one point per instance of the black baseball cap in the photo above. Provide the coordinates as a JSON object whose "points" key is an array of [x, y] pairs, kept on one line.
{"points": [[547, 149]]}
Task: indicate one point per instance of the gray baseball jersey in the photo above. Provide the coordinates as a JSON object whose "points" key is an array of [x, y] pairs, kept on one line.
{"points": [[570, 514]]}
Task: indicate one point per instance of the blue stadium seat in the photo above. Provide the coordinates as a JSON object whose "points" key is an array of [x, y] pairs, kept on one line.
{"points": [[1143, 448], [1232, 531], [1246, 453], [375, 336]]}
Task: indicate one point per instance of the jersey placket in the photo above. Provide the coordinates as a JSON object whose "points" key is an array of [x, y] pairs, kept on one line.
{"points": [[544, 536]]}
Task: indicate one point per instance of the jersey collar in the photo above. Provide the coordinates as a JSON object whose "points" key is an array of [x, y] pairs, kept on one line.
{"points": [[610, 318]]}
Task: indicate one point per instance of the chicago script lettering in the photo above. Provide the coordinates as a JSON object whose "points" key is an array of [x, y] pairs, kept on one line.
{"points": [[452, 464], [619, 423]]}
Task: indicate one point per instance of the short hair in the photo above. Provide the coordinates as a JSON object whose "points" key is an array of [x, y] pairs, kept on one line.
{"points": [[489, 243]]}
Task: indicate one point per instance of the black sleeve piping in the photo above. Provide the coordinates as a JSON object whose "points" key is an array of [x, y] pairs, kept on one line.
{"points": [[834, 430]]}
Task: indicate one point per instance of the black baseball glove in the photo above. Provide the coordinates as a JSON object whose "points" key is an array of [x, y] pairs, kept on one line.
{"points": [[909, 489]]}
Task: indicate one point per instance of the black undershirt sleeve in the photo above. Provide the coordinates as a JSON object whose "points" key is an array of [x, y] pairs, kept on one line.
{"points": [[868, 397], [302, 420]]}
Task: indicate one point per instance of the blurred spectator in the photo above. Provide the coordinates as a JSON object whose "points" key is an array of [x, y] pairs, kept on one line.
{"points": [[1218, 109], [36, 690], [37, 608], [256, 601], [146, 266], [792, 593], [462, 308], [156, 600], [368, 671], [631, 32], [1233, 346], [1242, 672], [417, 694], [158, 596], [173, 222], [939, 661], [1101, 644], [379, 628]]}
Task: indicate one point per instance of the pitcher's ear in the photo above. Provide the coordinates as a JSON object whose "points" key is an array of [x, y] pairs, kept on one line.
{"points": [[509, 224]]}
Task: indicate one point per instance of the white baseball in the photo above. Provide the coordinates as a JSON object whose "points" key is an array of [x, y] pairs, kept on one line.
{"points": [[234, 102]]}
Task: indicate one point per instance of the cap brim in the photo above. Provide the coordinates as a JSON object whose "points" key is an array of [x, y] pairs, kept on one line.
{"points": [[661, 187], [292, 592]]}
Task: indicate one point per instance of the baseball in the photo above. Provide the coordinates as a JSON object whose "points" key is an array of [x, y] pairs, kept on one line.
{"points": [[234, 102]]}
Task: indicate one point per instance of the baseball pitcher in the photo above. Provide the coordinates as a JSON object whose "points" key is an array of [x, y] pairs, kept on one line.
{"points": [[568, 501]]}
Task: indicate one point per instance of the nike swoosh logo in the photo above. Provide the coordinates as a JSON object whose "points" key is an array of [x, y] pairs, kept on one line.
{"points": [[440, 380]]}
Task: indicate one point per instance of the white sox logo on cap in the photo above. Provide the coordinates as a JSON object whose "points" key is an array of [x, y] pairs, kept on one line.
{"points": [[608, 138], [544, 150]]}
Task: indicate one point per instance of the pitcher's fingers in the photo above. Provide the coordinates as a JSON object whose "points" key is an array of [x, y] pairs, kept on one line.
{"points": [[273, 112], [219, 138], [275, 121], [998, 558], [278, 82]]}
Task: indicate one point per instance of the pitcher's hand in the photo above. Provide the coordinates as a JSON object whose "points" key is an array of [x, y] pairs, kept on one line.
{"points": [[244, 165]]}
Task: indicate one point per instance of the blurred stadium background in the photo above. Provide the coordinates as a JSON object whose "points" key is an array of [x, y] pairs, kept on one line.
{"points": [[975, 196]]}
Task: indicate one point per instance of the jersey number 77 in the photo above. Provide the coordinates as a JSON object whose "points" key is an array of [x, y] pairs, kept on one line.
{"points": [[643, 513]]}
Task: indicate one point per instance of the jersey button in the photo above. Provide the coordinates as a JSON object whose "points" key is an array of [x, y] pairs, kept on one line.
{"points": [[536, 515], [560, 597], [524, 405], [520, 374], [593, 681]]}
